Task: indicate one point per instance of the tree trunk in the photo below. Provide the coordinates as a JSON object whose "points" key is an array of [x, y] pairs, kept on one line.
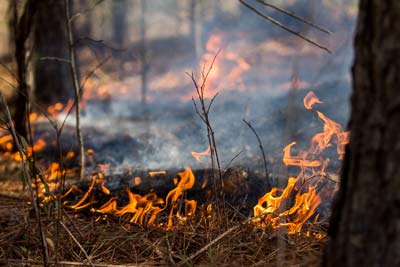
{"points": [[365, 225], [21, 31], [53, 81], [119, 9]]}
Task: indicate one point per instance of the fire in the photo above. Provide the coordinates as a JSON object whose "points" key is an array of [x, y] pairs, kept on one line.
{"points": [[137, 180], [310, 99], [198, 155], [155, 173], [275, 208], [144, 209], [289, 207], [227, 70], [299, 160], [331, 129]]}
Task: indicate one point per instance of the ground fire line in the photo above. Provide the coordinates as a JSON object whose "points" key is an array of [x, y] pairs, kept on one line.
{"points": [[289, 207]]}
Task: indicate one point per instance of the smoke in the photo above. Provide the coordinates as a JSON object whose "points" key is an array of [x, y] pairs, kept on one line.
{"points": [[282, 68]]}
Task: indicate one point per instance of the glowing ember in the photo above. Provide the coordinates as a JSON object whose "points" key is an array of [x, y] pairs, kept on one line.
{"points": [[155, 173], [137, 180]]}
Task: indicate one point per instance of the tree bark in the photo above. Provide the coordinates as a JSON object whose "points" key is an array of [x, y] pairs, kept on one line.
{"points": [[52, 78], [21, 31], [365, 225]]}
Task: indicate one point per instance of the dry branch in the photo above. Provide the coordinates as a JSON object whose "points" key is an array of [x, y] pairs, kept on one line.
{"points": [[203, 113], [74, 74], [293, 15], [281, 25]]}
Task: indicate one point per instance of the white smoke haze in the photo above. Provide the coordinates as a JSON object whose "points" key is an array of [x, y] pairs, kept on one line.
{"points": [[255, 72]]}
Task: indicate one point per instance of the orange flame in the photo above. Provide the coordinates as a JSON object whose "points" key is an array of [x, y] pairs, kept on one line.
{"points": [[310, 99], [198, 155], [144, 208], [298, 160], [272, 207], [276, 209], [227, 69]]}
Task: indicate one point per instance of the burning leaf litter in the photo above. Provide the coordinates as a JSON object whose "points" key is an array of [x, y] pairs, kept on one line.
{"points": [[289, 207]]}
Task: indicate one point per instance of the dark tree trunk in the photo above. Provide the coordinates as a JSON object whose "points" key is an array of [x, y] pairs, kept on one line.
{"points": [[21, 32], [53, 81], [365, 226]]}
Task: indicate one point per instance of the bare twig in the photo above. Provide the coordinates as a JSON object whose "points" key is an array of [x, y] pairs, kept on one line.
{"points": [[293, 15], [231, 160], [204, 114], [90, 41], [101, 63], [72, 223], [76, 87], [262, 151], [9, 71], [7, 82], [279, 24], [77, 243]]}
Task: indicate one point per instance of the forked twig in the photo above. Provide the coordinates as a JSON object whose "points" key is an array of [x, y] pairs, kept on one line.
{"points": [[203, 112]]}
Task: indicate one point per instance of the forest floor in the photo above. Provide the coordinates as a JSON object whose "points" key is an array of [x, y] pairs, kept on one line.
{"points": [[218, 240], [220, 237]]}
